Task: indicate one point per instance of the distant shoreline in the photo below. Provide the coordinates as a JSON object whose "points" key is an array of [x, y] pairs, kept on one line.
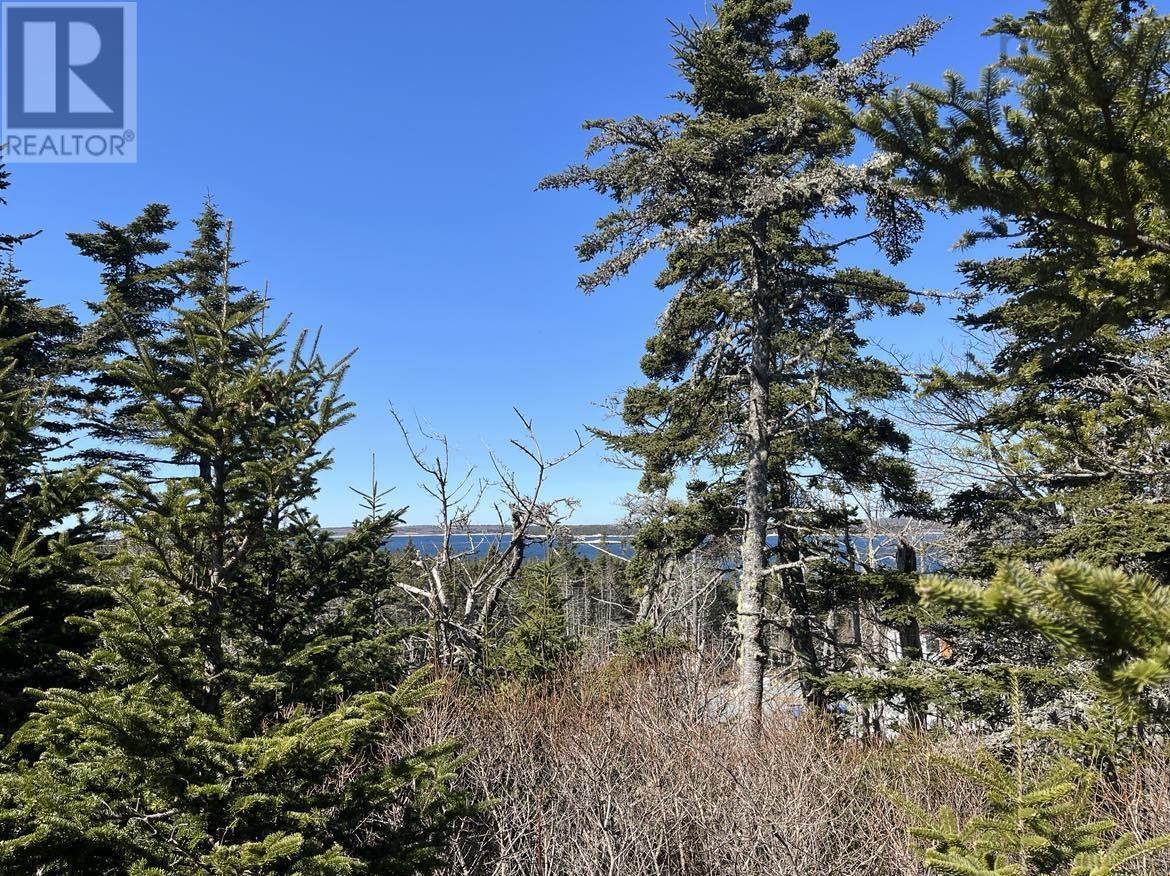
{"points": [[602, 530], [487, 530]]}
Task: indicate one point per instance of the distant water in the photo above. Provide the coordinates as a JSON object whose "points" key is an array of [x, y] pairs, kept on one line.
{"points": [[591, 546], [587, 546]]}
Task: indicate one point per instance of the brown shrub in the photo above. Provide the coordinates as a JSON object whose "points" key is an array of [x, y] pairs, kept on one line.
{"points": [[633, 775]]}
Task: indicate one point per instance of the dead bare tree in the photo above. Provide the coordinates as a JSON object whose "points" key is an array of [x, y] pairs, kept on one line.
{"points": [[460, 586]]}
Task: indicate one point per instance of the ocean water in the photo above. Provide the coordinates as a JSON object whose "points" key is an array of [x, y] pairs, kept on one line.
{"points": [[587, 546], [590, 546]]}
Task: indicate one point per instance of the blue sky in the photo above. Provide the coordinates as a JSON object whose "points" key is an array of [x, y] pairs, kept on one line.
{"points": [[378, 160]]}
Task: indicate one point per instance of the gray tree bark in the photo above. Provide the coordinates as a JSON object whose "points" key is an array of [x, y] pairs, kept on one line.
{"points": [[753, 551]]}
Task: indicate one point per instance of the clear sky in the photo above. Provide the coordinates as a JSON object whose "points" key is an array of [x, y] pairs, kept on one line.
{"points": [[378, 160]]}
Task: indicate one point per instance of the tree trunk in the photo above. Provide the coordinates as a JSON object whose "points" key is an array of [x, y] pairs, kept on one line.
{"points": [[794, 592], [910, 633], [753, 551], [648, 604], [213, 473]]}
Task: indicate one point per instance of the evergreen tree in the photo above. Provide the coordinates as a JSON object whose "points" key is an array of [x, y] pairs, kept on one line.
{"points": [[42, 498], [214, 730], [41, 565], [537, 644], [1055, 146], [1037, 823], [138, 289], [40, 348], [1119, 622], [758, 369], [1060, 147]]}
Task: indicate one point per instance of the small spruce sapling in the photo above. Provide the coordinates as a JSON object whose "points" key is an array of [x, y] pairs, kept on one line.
{"points": [[1034, 825]]}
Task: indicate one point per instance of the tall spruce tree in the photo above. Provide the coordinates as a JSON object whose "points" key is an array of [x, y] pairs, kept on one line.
{"points": [[42, 497], [41, 538], [229, 720], [1061, 148], [42, 338], [138, 289], [758, 368]]}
